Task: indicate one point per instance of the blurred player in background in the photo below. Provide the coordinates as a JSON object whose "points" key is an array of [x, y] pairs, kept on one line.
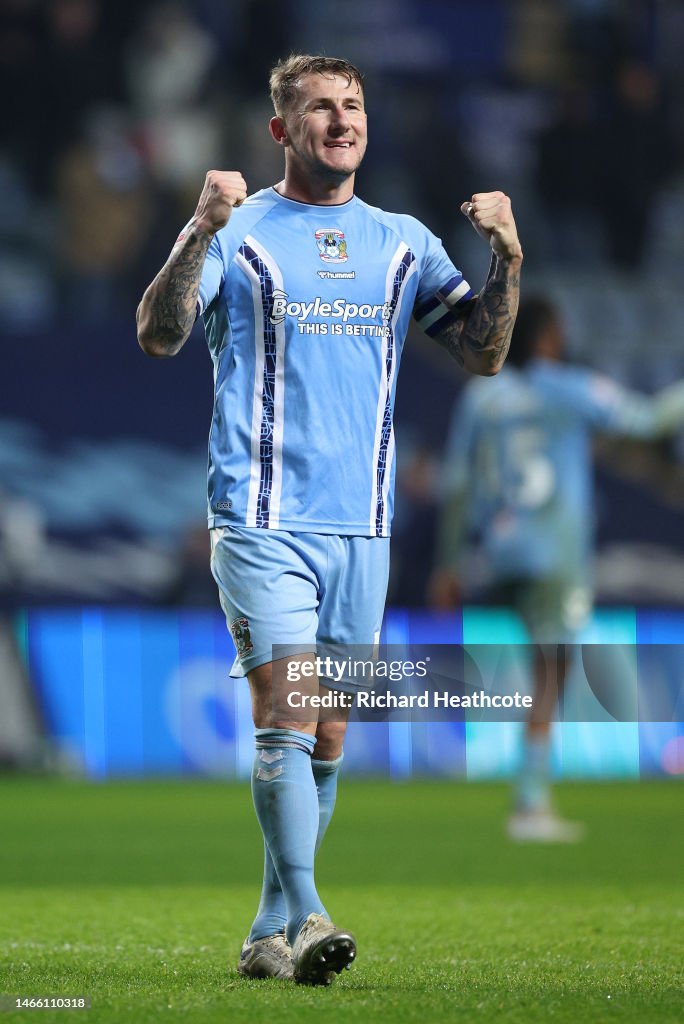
{"points": [[306, 294], [518, 476]]}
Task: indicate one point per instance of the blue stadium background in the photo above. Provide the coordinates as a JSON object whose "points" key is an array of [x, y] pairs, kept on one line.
{"points": [[128, 693]]}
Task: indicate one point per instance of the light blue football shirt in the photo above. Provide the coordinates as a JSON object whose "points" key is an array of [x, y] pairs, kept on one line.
{"points": [[520, 448], [306, 309]]}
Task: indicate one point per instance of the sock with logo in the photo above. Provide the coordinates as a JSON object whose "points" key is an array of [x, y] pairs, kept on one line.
{"points": [[286, 803], [271, 916]]}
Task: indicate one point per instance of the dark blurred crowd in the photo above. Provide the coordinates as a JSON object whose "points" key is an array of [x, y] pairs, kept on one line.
{"points": [[113, 113]]}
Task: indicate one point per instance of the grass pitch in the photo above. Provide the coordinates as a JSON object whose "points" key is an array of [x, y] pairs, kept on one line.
{"points": [[139, 895]]}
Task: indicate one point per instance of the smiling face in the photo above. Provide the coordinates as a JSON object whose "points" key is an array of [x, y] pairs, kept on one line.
{"points": [[324, 130]]}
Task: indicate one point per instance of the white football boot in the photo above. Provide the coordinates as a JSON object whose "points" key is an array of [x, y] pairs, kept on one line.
{"points": [[543, 826], [321, 951], [270, 957]]}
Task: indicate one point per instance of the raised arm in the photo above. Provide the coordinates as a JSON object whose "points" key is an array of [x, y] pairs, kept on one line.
{"points": [[620, 411], [479, 335], [167, 310]]}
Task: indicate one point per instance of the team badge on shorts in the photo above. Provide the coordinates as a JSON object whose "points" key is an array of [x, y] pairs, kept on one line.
{"points": [[239, 630], [332, 245]]}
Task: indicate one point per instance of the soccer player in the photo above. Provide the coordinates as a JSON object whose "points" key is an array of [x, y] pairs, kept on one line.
{"points": [[306, 294], [518, 475]]}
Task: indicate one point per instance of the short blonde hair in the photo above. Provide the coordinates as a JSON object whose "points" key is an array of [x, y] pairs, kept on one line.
{"points": [[287, 73]]}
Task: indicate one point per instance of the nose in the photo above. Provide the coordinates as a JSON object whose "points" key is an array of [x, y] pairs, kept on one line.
{"points": [[340, 118]]}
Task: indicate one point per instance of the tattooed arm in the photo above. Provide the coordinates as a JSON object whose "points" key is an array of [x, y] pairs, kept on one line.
{"points": [[167, 310], [479, 336]]}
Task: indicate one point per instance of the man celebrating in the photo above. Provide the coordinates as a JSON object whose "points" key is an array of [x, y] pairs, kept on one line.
{"points": [[306, 295], [518, 477]]}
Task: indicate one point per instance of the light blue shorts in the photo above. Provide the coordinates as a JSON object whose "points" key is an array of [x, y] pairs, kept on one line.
{"points": [[300, 590]]}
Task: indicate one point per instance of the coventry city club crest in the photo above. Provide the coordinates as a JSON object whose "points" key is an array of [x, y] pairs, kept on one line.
{"points": [[332, 246], [239, 629]]}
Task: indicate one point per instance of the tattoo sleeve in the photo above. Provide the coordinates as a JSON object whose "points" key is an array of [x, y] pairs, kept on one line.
{"points": [[479, 339], [167, 311]]}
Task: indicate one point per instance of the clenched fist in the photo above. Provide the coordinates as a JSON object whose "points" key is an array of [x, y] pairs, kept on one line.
{"points": [[491, 215], [222, 191]]}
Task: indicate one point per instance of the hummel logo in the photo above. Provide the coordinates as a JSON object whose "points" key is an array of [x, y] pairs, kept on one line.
{"points": [[277, 755]]}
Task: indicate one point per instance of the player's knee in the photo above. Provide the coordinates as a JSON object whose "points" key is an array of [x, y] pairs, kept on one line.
{"points": [[329, 740]]}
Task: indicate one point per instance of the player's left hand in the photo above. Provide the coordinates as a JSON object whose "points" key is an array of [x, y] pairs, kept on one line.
{"points": [[491, 215]]}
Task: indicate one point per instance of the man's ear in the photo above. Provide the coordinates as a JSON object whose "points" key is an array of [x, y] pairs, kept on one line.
{"points": [[276, 126]]}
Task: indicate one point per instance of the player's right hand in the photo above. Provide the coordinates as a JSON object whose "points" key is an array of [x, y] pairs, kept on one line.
{"points": [[222, 191]]}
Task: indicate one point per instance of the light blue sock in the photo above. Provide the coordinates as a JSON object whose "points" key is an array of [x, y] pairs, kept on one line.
{"points": [[533, 790], [286, 803], [271, 916], [325, 776]]}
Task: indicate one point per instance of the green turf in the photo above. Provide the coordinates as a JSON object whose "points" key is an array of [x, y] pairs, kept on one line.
{"points": [[139, 895]]}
